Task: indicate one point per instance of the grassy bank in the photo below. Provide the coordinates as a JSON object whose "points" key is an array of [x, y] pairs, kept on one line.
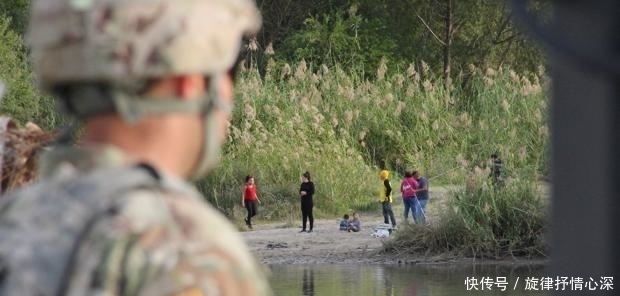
{"points": [[343, 128]]}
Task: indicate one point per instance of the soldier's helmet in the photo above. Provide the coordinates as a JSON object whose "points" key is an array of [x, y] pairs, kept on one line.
{"points": [[124, 42], [98, 56]]}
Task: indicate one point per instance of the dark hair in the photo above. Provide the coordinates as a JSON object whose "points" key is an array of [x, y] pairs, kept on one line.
{"points": [[408, 174], [248, 177], [346, 216], [414, 173], [494, 155], [307, 175]]}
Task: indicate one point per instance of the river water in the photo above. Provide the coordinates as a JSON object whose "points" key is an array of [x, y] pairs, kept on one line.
{"points": [[390, 280]]}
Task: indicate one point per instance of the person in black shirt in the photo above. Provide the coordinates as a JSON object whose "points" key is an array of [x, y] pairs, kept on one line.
{"points": [[306, 191]]}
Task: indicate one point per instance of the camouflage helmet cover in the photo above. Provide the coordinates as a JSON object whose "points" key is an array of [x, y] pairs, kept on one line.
{"points": [[127, 41]]}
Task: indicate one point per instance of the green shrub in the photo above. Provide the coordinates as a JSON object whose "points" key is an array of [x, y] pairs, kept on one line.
{"points": [[483, 221], [22, 101]]}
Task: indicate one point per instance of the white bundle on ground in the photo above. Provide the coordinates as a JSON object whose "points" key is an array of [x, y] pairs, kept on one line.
{"points": [[382, 230]]}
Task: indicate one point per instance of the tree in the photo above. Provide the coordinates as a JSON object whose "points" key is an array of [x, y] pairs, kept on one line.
{"points": [[17, 11], [450, 33]]}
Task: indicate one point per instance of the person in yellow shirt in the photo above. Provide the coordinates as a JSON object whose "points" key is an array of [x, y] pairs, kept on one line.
{"points": [[385, 198]]}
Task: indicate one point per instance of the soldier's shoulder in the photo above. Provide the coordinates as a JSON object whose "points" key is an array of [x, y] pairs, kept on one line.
{"points": [[202, 242], [59, 204], [168, 223]]}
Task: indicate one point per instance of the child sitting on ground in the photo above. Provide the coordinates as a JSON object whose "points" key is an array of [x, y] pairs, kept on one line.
{"points": [[344, 222], [355, 225]]}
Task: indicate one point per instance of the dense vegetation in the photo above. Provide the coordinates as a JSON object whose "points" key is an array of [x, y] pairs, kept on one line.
{"points": [[22, 100], [447, 34], [345, 90], [482, 222], [343, 128]]}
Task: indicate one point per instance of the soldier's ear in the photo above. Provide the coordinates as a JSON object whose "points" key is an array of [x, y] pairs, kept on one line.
{"points": [[188, 87]]}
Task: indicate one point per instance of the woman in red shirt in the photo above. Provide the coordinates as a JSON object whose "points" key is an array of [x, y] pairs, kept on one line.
{"points": [[249, 198]]}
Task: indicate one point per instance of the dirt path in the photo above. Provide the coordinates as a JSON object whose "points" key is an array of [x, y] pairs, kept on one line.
{"points": [[278, 244]]}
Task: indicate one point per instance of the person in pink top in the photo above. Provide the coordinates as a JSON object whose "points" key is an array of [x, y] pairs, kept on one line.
{"points": [[408, 189]]}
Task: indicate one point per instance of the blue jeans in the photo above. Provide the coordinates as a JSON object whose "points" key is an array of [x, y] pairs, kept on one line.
{"points": [[409, 203], [419, 212]]}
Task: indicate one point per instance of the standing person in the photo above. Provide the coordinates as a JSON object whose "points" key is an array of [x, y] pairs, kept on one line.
{"points": [[249, 200], [306, 191], [408, 188], [151, 82], [419, 214], [497, 168], [385, 198]]}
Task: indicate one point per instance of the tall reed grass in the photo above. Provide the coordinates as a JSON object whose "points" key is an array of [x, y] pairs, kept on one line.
{"points": [[344, 128]]}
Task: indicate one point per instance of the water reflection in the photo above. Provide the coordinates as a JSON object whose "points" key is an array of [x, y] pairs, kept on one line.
{"points": [[308, 282], [387, 275], [381, 276], [390, 280]]}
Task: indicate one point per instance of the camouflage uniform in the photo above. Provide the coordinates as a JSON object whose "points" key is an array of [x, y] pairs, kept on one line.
{"points": [[97, 223], [139, 233]]}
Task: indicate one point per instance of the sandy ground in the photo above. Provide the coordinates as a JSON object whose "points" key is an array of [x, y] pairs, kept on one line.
{"points": [[278, 243], [273, 244]]}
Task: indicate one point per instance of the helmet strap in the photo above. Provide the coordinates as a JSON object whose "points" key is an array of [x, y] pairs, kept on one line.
{"points": [[211, 147], [131, 108]]}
